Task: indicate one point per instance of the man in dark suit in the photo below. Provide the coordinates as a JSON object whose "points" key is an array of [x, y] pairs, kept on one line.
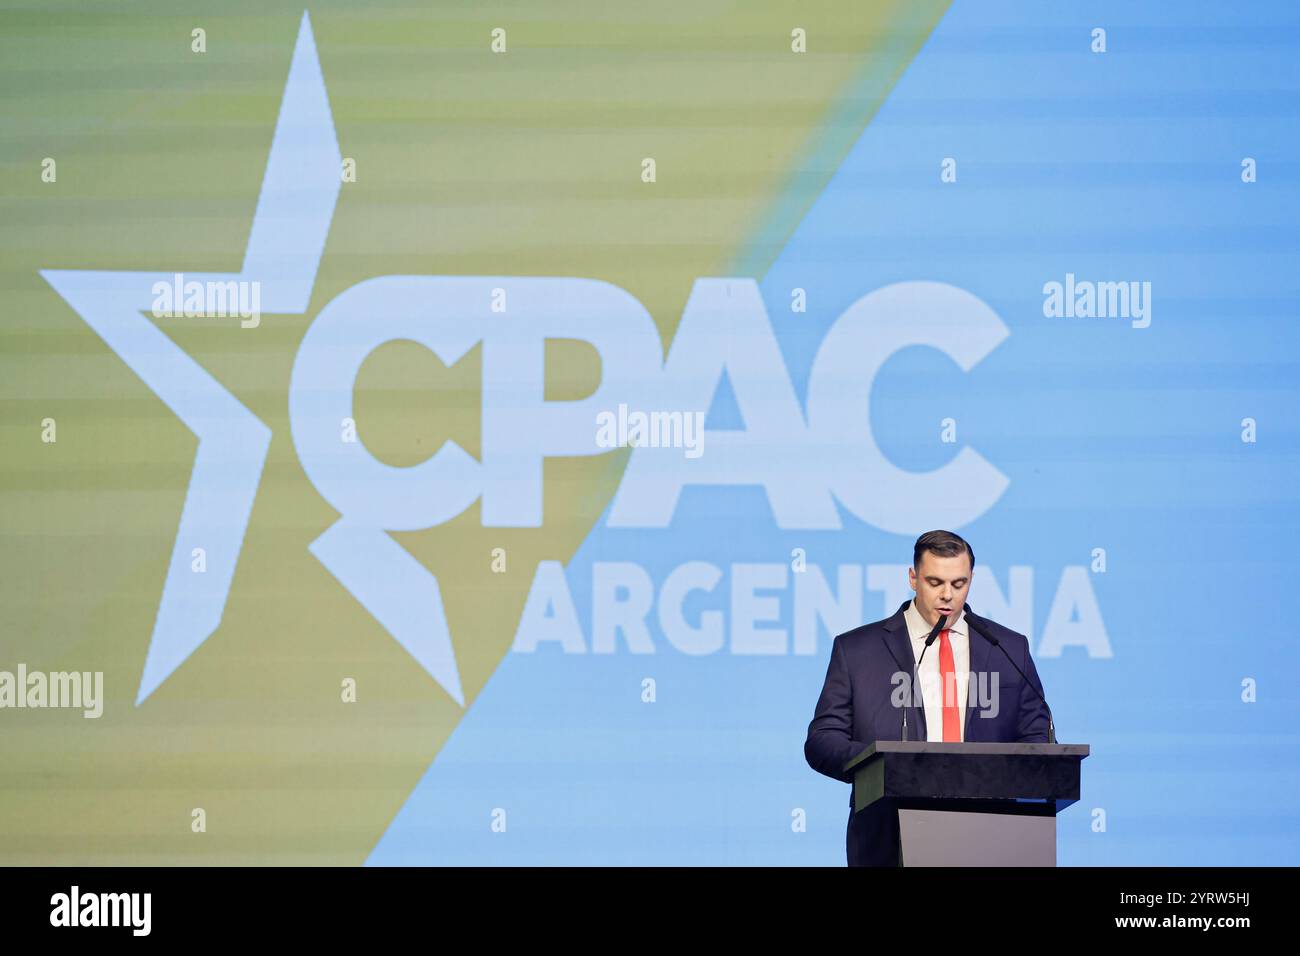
{"points": [[967, 690]]}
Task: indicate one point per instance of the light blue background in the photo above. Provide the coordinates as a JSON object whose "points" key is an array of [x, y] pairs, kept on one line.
{"points": [[1114, 167]]}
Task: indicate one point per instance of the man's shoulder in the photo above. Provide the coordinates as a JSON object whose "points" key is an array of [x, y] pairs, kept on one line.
{"points": [[1013, 640], [865, 632]]}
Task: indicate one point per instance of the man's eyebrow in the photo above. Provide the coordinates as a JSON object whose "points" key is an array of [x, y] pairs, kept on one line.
{"points": [[934, 580]]}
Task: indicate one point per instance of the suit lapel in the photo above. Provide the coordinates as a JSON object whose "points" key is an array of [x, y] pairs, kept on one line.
{"points": [[900, 643], [979, 664]]}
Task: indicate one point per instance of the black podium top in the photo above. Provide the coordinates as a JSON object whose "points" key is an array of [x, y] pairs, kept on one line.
{"points": [[1023, 778]]}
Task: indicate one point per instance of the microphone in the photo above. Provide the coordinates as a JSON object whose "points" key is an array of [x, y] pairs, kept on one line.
{"points": [[979, 626], [934, 632]]}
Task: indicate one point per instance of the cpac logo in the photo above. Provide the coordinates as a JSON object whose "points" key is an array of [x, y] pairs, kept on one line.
{"points": [[826, 450]]}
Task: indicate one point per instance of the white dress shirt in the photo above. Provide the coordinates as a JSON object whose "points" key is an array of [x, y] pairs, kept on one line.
{"points": [[930, 679]]}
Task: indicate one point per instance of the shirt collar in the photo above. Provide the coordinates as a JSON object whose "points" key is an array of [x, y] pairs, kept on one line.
{"points": [[918, 630]]}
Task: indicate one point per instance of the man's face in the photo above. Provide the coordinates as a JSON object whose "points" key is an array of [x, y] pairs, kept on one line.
{"points": [[940, 585]]}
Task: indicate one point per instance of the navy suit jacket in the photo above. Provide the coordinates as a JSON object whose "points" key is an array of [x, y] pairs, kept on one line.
{"points": [[855, 708]]}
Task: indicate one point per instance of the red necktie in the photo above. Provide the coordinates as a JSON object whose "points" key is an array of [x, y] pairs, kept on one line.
{"points": [[948, 674]]}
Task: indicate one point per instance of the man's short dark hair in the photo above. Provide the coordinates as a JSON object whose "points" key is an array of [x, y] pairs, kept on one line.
{"points": [[945, 544]]}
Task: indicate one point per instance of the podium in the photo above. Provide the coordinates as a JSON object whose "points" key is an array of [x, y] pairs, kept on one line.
{"points": [[970, 804]]}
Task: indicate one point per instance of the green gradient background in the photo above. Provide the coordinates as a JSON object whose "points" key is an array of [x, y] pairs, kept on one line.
{"points": [[468, 163]]}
